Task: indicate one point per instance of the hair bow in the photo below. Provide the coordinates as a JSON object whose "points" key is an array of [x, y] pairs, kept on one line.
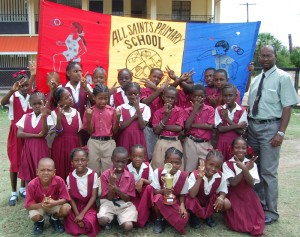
{"points": [[22, 72], [85, 148]]}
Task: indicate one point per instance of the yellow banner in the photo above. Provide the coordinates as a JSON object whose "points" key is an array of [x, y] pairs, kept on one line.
{"points": [[141, 44]]}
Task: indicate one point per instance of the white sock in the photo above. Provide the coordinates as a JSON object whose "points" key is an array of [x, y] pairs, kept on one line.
{"points": [[22, 189], [14, 195], [42, 220], [53, 218]]}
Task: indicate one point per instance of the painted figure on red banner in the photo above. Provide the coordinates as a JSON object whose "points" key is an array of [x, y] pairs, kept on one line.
{"points": [[76, 47]]}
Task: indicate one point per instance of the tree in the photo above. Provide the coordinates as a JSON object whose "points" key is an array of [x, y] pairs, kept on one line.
{"points": [[295, 56], [283, 57]]}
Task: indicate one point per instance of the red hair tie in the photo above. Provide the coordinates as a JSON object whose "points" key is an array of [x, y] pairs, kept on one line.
{"points": [[34, 90], [22, 72], [85, 148]]}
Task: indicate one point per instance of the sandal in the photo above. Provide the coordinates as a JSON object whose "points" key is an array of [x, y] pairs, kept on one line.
{"points": [[22, 194], [13, 200]]}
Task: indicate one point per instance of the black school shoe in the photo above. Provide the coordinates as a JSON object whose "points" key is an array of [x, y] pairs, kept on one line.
{"points": [[13, 200], [57, 225], [211, 222], [194, 221], [157, 228], [38, 228]]}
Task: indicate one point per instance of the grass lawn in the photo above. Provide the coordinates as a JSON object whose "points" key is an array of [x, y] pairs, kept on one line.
{"points": [[14, 221]]}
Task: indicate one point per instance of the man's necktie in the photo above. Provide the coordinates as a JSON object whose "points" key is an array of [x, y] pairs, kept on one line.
{"points": [[258, 96]]}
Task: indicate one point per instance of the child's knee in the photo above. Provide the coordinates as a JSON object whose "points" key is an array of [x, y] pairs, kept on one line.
{"points": [[227, 204], [37, 218], [64, 210], [103, 221], [127, 226]]}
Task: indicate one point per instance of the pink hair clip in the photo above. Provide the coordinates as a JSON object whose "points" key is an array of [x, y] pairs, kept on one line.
{"points": [[22, 72]]}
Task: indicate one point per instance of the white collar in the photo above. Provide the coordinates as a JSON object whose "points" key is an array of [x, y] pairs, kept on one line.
{"points": [[119, 89], [80, 177], [237, 107], [215, 176], [131, 168], [72, 113], [18, 94], [70, 86]]}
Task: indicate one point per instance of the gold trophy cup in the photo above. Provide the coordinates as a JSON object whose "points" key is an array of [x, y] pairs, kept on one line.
{"points": [[168, 183]]}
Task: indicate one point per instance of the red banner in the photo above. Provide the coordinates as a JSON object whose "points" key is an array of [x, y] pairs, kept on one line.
{"points": [[70, 34]]}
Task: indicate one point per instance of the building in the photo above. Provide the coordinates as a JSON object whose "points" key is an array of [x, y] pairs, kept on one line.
{"points": [[19, 23]]}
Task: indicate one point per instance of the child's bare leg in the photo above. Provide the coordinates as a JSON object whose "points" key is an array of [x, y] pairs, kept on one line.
{"points": [[157, 212], [37, 218], [13, 181], [63, 212], [157, 228], [127, 225], [227, 205], [23, 183]]}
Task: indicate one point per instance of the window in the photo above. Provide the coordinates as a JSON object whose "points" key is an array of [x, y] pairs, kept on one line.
{"points": [[96, 6], [181, 10], [117, 7], [70, 3], [13, 11]]}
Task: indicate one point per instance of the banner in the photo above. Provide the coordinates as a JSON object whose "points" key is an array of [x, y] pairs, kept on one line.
{"points": [[93, 39]]}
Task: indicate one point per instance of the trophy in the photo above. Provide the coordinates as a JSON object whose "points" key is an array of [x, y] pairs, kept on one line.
{"points": [[168, 183]]}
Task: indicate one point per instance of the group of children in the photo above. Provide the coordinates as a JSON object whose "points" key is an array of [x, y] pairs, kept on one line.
{"points": [[157, 124]]}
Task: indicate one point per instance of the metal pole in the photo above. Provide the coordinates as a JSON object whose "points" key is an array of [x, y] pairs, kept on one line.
{"points": [[247, 5]]}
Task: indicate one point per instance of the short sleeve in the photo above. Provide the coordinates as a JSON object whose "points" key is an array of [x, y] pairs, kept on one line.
{"points": [[50, 121], [29, 199], [156, 118], [223, 186], [96, 182], [254, 174], [150, 177], [155, 182], [218, 119], [79, 122], [227, 172], [146, 113], [21, 122], [288, 95], [54, 117], [185, 188], [68, 182], [243, 118], [191, 180]]}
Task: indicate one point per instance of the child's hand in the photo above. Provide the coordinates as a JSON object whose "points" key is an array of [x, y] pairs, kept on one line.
{"points": [[212, 100], [113, 89], [185, 76], [218, 205], [198, 104], [182, 211], [165, 84], [239, 164], [43, 108], [168, 108], [79, 218], [171, 73], [113, 178], [136, 103], [83, 81], [250, 164], [60, 111], [80, 224], [201, 169], [251, 67], [224, 113], [139, 185], [243, 125], [89, 112], [32, 68], [148, 83], [17, 85]]}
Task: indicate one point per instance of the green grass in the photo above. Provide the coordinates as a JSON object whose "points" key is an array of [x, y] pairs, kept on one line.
{"points": [[14, 221]]}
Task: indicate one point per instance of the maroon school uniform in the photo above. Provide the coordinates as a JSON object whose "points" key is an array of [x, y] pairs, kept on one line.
{"points": [[171, 212], [215, 93], [14, 144], [33, 150], [225, 138], [126, 184], [35, 192], [202, 204], [132, 134], [91, 226], [63, 144], [184, 100], [143, 201], [154, 105], [246, 213], [118, 99]]}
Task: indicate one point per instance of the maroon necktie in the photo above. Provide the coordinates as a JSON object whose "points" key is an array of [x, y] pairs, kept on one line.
{"points": [[258, 96]]}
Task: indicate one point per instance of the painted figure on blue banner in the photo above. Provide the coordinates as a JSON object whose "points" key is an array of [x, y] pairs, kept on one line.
{"points": [[76, 47], [222, 60]]}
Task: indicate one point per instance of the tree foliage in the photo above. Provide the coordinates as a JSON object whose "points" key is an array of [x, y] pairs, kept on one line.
{"points": [[295, 56], [283, 56]]}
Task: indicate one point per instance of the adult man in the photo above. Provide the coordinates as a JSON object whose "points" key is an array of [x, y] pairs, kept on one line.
{"points": [[271, 98]]}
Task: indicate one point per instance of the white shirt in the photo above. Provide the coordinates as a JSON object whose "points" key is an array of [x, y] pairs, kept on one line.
{"points": [[146, 112], [24, 103], [219, 120], [75, 91], [138, 176], [208, 184], [69, 117], [119, 90], [156, 185], [34, 120], [82, 182], [228, 173]]}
